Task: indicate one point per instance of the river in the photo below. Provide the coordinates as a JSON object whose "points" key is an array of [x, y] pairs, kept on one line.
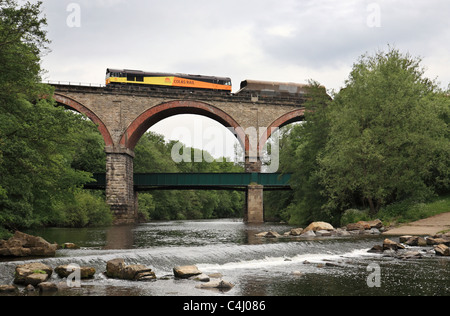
{"points": [[257, 267]]}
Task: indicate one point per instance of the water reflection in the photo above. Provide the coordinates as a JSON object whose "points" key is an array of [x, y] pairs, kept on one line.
{"points": [[120, 237]]}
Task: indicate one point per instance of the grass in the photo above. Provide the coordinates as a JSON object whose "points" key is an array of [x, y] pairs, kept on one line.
{"points": [[401, 212], [406, 212]]}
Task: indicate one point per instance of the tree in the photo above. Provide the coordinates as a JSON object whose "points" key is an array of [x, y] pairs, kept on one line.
{"points": [[153, 155], [37, 138], [301, 147], [23, 40], [386, 130]]}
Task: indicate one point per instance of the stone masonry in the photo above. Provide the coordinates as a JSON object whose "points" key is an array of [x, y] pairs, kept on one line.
{"points": [[120, 193], [124, 114], [255, 203]]}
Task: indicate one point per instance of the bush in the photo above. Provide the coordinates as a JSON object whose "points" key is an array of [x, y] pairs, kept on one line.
{"points": [[353, 216], [146, 206], [409, 211], [4, 234], [87, 209]]}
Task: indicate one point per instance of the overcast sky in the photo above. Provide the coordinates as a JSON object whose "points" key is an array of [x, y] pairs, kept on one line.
{"points": [[283, 40]]}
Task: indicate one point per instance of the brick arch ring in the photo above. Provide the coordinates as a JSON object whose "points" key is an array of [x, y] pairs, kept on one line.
{"points": [[160, 112], [80, 108], [291, 117]]}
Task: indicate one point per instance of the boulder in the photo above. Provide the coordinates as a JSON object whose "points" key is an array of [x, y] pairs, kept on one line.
{"points": [[114, 268], [138, 272], [323, 233], [7, 289], [296, 231], [392, 245], [414, 241], [216, 275], [263, 234], [372, 224], [442, 250], [272, 234], [185, 272], [69, 245], [65, 270], [200, 278], [355, 226], [376, 249], [365, 225], [145, 276], [410, 255], [437, 241], [23, 245], [374, 231], [308, 234], [220, 284], [117, 269], [404, 239], [316, 226], [47, 287], [32, 273], [342, 232]]}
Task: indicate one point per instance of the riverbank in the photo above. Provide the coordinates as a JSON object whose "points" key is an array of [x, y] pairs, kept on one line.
{"points": [[429, 226]]}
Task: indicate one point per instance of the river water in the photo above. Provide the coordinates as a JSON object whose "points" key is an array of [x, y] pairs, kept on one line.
{"points": [[257, 267]]}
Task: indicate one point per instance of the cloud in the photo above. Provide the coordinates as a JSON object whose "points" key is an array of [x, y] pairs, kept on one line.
{"points": [[284, 40]]}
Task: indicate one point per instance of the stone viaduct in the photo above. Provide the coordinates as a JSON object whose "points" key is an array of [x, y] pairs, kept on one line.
{"points": [[124, 114]]}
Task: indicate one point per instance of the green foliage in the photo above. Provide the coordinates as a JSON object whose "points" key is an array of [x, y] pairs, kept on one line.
{"points": [[84, 209], [299, 151], [386, 131], [383, 143], [353, 216], [43, 153], [153, 155], [409, 210]]}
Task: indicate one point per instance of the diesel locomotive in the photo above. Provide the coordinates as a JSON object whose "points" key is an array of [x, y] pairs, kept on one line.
{"points": [[138, 77]]}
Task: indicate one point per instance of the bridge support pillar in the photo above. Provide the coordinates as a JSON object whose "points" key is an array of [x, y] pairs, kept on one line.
{"points": [[120, 193], [253, 165], [255, 204]]}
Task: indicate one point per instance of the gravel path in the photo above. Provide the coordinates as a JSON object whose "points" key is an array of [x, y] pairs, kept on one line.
{"points": [[425, 227]]}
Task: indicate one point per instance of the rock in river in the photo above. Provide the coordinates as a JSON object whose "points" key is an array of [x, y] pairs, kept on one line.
{"points": [[316, 226], [220, 284], [32, 273], [442, 250], [117, 269], [66, 270], [392, 245], [185, 272], [23, 245]]}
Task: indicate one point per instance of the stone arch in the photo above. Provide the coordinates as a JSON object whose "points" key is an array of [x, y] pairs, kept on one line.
{"points": [[77, 106], [288, 118], [160, 112]]}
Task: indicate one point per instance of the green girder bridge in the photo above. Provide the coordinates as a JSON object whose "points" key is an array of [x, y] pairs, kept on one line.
{"points": [[201, 181]]}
